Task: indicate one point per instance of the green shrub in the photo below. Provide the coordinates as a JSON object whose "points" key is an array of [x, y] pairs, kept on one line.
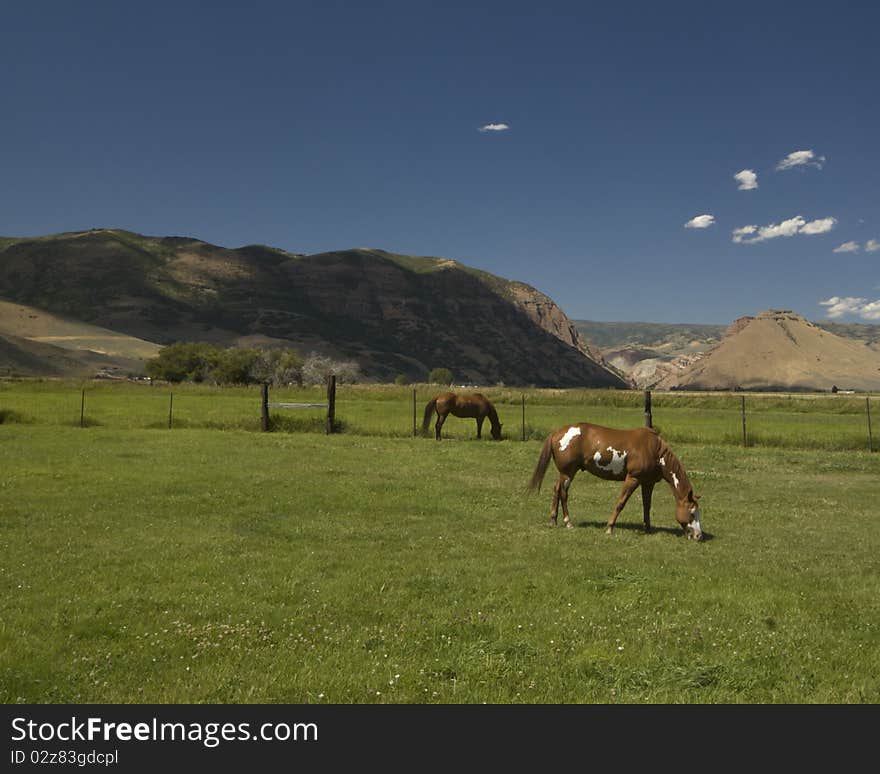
{"points": [[201, 362], [440, 376]]}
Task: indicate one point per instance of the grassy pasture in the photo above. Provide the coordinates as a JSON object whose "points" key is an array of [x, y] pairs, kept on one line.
{"points": [[827, 422], [139, 565]]}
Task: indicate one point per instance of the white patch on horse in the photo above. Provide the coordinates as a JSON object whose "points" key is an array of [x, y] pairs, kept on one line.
{"points": [[617, 463], [566, 439], [696, 527], [663, 461], [675, 480]]}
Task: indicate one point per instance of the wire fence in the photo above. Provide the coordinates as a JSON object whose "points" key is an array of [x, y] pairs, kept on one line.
{"points": [[794, 420]]}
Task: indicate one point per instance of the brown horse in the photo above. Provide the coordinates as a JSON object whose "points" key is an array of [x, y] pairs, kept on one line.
{"points": [[470, 405], [638, 457]]}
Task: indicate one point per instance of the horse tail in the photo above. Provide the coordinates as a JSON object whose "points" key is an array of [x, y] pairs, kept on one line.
{"points": [[429, 410], [541, 467]]}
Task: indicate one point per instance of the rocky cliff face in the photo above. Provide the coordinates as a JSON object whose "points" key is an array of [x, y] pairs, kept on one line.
{"points": [[544, 311], [393, 314]]}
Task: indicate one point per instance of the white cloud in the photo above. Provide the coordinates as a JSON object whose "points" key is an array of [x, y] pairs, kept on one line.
{"points": [[747, 179], [739, 234], [494, 128], [801, 158], [870, 311], [860, 307], [820, 226], [787, 228], [700, 221], [847, 247], [872, 245]]}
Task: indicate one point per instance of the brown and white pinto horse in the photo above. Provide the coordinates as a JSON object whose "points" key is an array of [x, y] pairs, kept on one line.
{"points": [[469, 405], [638, 457]]}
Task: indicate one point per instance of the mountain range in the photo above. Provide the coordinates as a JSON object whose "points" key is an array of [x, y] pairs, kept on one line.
{"points": [[392, 314], [107, 299]]}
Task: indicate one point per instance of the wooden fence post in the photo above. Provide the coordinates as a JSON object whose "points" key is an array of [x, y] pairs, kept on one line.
{"points": [[649, 421], [743, 398], [331, 403], [868, 411], [264, 412], [82, 409], [524, 417], [170, 408], [415, 430]]}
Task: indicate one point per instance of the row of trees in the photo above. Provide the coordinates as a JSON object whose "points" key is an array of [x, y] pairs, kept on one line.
{"points": [[201, 362]]}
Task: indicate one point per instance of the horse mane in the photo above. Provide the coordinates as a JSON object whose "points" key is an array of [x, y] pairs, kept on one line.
{"points": [[673, 465]]}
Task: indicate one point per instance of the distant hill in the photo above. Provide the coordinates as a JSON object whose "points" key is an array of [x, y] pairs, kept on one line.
{"points": [[780, 350], [648, 353], [37, 343], [392, 314], [867, 333], [672, 338]]}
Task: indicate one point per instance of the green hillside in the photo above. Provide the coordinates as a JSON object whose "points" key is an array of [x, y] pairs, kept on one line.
{"points": [[392, 314]]}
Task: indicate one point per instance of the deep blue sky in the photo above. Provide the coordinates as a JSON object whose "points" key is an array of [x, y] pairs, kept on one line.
{"points": [[315, 126]]}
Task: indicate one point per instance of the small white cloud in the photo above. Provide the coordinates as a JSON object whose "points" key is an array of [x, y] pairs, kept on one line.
{"points": [[872, 245], [747, 179], [787, 228], [700, 221], [820, 226], [870, 311], [847, 247], [837, 307], [494, 128], [860, 307], [801, 158], [740, 234]]}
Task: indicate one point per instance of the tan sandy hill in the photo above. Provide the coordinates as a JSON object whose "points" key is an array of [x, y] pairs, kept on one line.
{"points": [[39, 343], [780, 350], [28, 322]]}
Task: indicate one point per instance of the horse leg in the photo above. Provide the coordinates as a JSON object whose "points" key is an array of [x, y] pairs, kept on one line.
{"points": [[564, 495], [480, 426], [441, 418], [554, 507], [647, 491], [629, 486]]}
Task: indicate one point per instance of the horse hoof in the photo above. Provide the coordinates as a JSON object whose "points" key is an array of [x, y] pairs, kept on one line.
{"points": [[569, 525], [609, 531]]}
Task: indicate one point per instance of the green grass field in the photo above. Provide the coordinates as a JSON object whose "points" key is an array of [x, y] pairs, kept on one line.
{"points": [[139, 564], [829, 422]]}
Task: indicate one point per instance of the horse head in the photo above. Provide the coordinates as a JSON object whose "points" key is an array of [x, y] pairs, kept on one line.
{"points": [[687, 513], [496, 432]]}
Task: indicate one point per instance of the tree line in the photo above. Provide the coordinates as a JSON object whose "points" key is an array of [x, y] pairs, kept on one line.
{"points": [[203, 362], [196, 361]]}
